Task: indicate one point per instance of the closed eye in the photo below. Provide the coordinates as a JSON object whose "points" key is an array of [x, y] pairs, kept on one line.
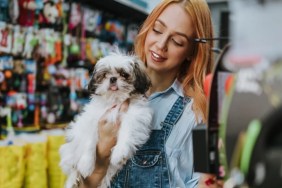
{"points": [[176, 42], [157, 31]]}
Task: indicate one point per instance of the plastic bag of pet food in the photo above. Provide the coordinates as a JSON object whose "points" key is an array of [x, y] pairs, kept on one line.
{"points": [[36, 160], [55, 138], [12, 161], [12, 166]]}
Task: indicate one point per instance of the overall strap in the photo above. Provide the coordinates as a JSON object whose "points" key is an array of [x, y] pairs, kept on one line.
{"points": [[176, 111], [173, 115]]}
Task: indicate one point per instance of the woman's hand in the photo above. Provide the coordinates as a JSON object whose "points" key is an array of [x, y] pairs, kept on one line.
{"points": [[108, 131], [209, 181], [107, 139]]}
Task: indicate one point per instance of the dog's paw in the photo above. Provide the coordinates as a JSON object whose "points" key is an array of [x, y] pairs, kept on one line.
{"points": [[71, 180], [118, 159], [67, 165], [66, 168], [86, 165]]}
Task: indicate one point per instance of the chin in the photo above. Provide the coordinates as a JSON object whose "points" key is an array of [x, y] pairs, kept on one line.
{"points": [[116, 78]]}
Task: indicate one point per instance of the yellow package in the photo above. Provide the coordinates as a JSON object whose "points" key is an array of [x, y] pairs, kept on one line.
{"points": [[36, 165], [56, 177], [12, 166]]}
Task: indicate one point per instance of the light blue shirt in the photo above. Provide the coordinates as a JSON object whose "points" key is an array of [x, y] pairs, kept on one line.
{"points": [[179, 148]]}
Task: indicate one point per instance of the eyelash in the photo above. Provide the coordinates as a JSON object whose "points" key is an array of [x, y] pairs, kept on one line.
{"points": [[178, 44], [156, 31]]}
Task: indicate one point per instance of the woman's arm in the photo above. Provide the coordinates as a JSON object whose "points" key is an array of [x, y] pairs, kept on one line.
{"points": [[107, 139], [102, 163]]}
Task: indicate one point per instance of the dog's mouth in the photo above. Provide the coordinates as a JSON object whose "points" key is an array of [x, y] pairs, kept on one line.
{"points": [[113, 87]]}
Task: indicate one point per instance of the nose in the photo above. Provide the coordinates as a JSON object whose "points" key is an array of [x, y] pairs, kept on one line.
{"points": [[162, 43], [113, 80]]}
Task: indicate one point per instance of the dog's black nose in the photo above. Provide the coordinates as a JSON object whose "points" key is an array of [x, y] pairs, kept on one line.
{"points": [[113, 80]]}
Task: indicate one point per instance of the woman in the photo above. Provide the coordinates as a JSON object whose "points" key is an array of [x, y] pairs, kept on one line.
{"points": [[177, 66]]}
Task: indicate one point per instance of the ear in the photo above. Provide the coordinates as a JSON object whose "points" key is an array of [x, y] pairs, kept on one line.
{"points": [[142, 81], [92, 83]]}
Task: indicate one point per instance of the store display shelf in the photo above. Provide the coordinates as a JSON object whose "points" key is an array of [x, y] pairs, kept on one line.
{"points": [[122, 8], [132, 5]]}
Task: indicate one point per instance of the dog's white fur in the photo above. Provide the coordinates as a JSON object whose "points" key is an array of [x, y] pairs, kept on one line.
{"points": [[116, 77]]}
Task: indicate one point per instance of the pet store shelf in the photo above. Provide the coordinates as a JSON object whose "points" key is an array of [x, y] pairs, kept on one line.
{"points": [[133, 5], [122, 8]]}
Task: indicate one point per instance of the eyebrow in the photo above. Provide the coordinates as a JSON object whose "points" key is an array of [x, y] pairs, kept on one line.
{"points": [[179, 33]]}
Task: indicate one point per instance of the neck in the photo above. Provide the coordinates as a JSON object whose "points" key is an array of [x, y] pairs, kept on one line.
{"points": [[160, 82]]}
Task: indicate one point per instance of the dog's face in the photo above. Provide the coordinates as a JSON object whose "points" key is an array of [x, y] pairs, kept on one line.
{"points": [[119, 76]]}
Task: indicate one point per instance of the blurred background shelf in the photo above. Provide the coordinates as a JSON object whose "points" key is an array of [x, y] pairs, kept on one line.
{"points": [[124, 8]]}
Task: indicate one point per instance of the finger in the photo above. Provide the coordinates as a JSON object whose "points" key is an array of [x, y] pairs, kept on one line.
{"points": [[118, 122], [102, 121], [210, 180], [110, 109], [124, 106]]}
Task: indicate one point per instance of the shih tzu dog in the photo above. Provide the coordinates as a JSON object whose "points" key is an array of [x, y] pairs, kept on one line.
{"points": [[116, 78]]}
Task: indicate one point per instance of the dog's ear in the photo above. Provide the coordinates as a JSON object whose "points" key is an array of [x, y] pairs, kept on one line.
{"points": [[142, 81], [92, 85]]}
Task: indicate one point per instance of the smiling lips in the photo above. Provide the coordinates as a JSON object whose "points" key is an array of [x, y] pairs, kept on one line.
{"points": [[157, 57]]}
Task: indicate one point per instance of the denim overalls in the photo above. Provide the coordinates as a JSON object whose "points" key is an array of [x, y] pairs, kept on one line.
{"points": [[148, 168]]}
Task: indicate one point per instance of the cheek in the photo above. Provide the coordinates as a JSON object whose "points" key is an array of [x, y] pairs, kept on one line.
{"points": [[178, 55], [149, 40]]}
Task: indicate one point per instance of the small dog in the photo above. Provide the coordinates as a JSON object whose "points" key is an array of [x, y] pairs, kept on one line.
{"points": [[116, 78]]}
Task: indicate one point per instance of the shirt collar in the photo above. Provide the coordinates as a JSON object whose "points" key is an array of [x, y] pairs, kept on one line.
{"points": [[175, 87]]}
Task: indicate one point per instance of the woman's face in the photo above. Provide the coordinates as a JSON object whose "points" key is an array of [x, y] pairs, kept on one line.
{"points": [[168, 42]]}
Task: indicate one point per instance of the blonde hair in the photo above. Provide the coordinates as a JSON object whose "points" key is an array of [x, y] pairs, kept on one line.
{"points": [[202, 58]]}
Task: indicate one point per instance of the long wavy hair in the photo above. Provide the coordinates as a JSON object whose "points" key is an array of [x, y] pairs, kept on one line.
{"points": [[192, 72]]}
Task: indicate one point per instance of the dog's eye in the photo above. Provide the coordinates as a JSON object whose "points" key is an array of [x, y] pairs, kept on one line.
{"points": [[99, 77], [103, 75], [124, 74]]}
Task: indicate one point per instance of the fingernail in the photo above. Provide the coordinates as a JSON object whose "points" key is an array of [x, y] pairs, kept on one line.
{"points": [[209, 181]]}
